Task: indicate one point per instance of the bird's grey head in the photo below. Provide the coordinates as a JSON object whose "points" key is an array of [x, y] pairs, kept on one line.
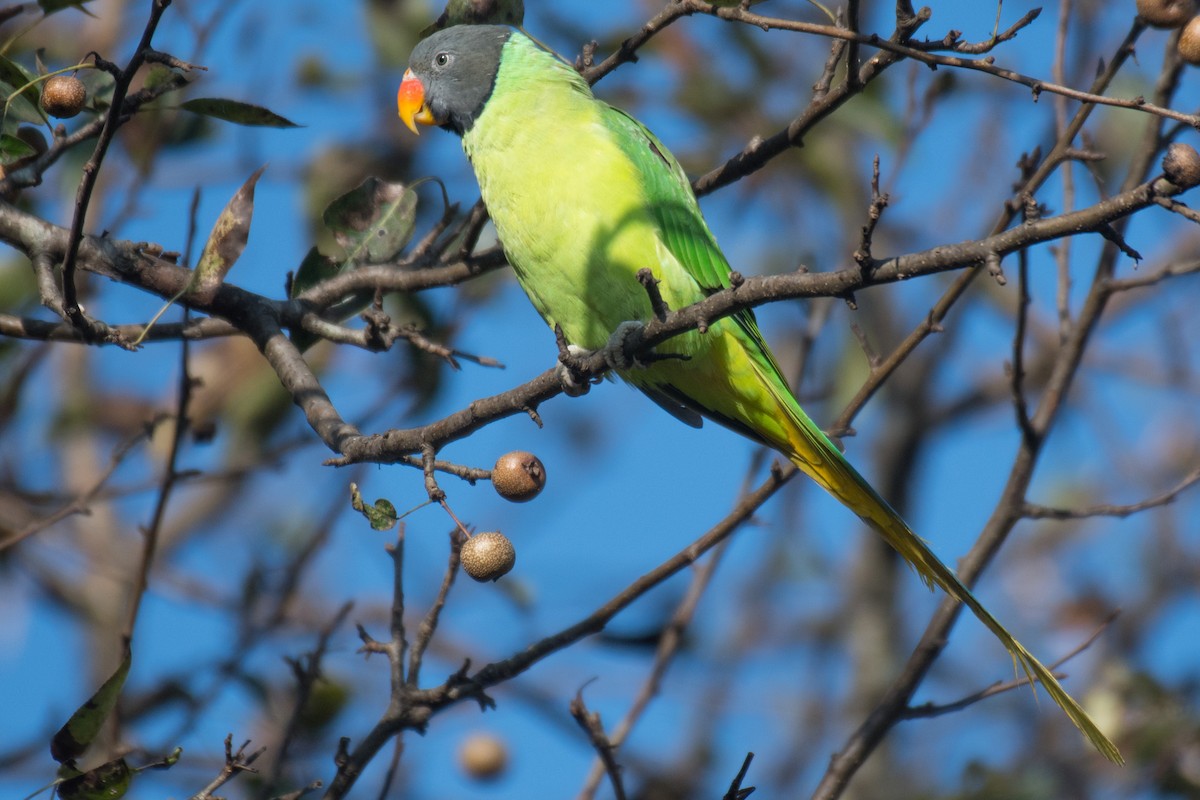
{"points": [[451, 75]]}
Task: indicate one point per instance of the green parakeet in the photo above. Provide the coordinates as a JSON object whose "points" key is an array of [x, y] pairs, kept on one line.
{"points": [[583, 196]]}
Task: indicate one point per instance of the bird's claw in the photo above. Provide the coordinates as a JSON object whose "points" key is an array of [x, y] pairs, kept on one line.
{"points": [[616, 351], [615, 354], [573, 382]]}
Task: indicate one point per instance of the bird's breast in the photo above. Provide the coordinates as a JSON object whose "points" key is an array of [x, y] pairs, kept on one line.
{"points": [[569, 211]]}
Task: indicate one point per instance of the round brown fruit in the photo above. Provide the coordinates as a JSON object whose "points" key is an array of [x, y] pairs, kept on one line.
{"points": [[63, 96], [487, 556], [1181, 165], [1166, 13], [1189, 42], [483, 756], [518, 476]]}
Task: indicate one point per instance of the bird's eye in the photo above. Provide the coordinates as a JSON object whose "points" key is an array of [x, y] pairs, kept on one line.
{"points": [[443, 59]]}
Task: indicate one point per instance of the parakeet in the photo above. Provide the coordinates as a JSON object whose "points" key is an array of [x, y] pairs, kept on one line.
{"points": [[583, 196]]}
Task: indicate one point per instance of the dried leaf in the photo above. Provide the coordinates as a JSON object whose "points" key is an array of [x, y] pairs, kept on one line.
{"points": [[226, 242]]}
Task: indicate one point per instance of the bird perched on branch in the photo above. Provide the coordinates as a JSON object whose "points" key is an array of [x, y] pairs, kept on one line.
{"points": [[583, 197]]}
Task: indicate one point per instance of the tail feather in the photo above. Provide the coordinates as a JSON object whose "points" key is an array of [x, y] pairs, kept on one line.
{"points": [[898, 534], [817, 457], [737, 383]]}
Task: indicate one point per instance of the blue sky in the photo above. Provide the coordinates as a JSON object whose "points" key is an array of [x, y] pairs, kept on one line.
{"points": [[641, 486]]}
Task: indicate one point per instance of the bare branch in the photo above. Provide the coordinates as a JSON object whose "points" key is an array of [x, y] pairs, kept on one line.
{"points": [[736, 791], [235, 764], [430, 622], [928, 710], [1035, 511], [591, 724], [91, 170]]}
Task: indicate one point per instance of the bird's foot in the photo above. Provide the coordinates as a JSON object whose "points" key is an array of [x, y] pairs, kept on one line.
{"points": [[616, 355], [616, 352], [574, 383]]}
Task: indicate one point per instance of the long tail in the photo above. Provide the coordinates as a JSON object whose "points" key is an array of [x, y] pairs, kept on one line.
{"points": [[736, 381], [817, 457]]}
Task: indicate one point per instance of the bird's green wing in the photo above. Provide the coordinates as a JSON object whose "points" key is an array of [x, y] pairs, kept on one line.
{"points": [[670, 194], [684, 231]]}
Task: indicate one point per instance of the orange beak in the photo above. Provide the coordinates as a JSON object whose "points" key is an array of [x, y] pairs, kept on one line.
{"points": [[411, 102]]}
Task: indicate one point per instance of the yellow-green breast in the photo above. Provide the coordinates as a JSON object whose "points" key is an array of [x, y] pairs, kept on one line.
{"points": [[567, 201]]}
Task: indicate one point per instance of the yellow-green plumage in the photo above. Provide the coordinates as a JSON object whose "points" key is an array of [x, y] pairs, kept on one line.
{"points": [[583, 196]]}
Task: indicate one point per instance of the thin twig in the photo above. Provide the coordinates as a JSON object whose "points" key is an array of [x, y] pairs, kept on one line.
{"points": [[235, 764], [879, 201], [927, 710], [82, 503], [307, 671], [1063, 252], [420, 705], [736, 791], [1035, 511], [91, 170], [594, 728], [398, 642], [1017, 379], [669, 643], [170, 477], [430, 622]]}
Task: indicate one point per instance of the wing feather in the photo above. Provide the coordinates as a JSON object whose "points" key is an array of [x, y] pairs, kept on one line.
{"points": [[684, 232]]}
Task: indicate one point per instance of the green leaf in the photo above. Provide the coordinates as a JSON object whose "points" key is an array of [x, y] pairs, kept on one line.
{"points": [[13, 149], [381, 516], [158, 75], [373, 221], [347, 307], [312, 270], [226, 242], [18, 106], [106, 782], [73, 738], [237, 112], [53, 6], [13, 75], [18, 75], [171, 760], [315, 268]]}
